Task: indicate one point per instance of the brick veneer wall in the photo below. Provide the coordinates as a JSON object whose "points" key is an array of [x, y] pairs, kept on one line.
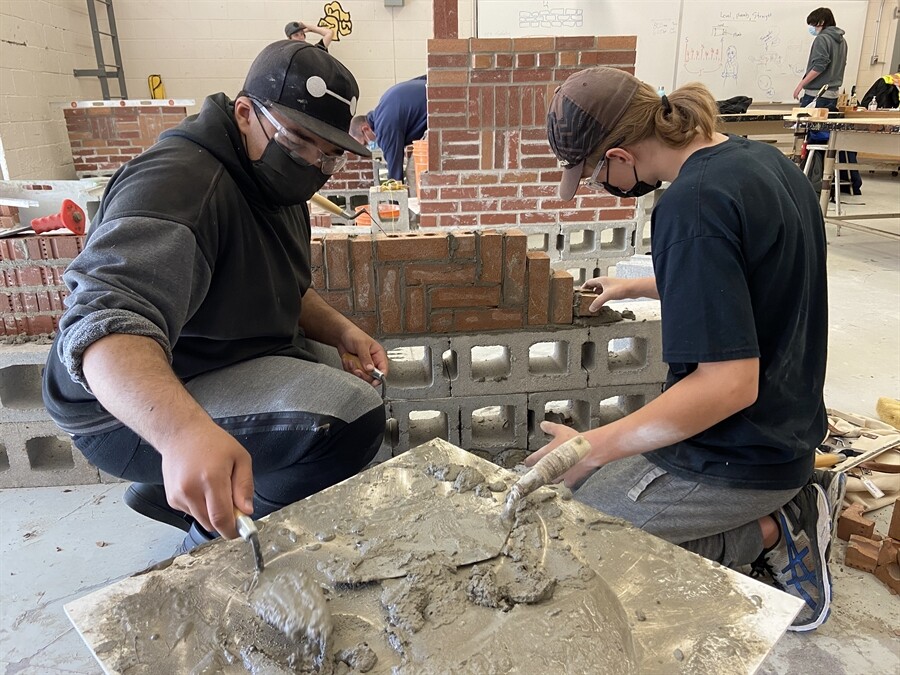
{"points": [[103, 138], [436, 282], [356, 176], [489, 162], [9, 217]]}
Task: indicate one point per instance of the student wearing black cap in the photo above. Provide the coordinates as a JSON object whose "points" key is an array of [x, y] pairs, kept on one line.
{"points": [[297, 30], [183, 361], [722, 461]]}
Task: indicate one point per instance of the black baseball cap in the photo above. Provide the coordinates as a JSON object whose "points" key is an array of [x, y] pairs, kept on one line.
{"points": [[291, 28], [308, 86], [583, 112]]}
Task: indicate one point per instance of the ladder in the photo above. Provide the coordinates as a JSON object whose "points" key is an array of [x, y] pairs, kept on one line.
{"points": [[105, 71]]}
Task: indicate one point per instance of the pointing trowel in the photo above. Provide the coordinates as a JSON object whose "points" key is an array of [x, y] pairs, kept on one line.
{"points": [[248, 532]]}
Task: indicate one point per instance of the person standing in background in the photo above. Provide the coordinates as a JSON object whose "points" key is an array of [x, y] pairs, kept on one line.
{"points": [[297, 30], [825, 66], [400, 118]]}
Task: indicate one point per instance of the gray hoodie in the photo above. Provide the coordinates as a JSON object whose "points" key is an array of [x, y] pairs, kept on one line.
{"points": [[828, 56]]}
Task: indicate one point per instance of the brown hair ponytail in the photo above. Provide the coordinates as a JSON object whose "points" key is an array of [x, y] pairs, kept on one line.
{"points": [[691, 112]]}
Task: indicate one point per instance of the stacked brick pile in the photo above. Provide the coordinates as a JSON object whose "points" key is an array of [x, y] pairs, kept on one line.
{"points": [[869, 551], [489, 162], [104, 137]]}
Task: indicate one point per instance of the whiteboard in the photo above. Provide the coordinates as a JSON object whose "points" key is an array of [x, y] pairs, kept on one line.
{"points": [[756, 49]]}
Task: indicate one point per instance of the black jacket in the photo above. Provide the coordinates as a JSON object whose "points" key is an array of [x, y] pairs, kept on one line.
{"points": [[183, 250]]}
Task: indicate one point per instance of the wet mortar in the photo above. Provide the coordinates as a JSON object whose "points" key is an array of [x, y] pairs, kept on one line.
{"points": [[404, 564]]}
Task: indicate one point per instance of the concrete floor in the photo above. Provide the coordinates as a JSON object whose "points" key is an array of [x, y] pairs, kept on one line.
{"points": [[57, 544]]}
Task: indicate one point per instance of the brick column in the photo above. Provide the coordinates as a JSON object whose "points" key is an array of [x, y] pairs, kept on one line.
{"points": [[446, 19]]}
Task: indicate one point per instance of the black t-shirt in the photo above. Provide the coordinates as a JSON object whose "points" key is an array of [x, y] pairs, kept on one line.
{"points": [[738, 245]]}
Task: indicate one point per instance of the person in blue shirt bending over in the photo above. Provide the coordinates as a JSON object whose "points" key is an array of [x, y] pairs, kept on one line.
{"points": [[400, 118]]}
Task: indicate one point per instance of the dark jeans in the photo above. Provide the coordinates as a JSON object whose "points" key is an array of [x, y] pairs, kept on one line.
{"points": [[851, 181]]}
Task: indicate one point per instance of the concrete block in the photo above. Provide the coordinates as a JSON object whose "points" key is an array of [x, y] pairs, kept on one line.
{"points": [[420, 421], [525, 361], [635, 267], [21, 369], [38, 454], [627, 352], [585, 409], [609, 239], [494, 424], [417, 367], [398, 199]]}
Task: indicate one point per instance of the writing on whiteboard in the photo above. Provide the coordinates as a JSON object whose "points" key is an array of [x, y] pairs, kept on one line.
{"points": [[737, 15], [551, 18]]}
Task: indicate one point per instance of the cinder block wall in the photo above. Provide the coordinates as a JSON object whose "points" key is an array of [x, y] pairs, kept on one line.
{"points": [[104, 137], [489, 162]]}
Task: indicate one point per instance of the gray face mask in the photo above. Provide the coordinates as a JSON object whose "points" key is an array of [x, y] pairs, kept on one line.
{"points": [[284, 180]]}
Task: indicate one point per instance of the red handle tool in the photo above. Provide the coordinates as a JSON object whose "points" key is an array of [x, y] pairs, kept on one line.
{"points": [[70, 216]]}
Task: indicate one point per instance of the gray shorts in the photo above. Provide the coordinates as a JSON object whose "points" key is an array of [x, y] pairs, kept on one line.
{"points": [[719, 523]]}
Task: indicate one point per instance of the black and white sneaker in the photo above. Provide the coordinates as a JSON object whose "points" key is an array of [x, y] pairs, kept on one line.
{"points": [[797, 562]]}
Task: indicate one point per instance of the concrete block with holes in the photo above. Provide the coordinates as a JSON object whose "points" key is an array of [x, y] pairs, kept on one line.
{"points": [[420, 421], [386, 204], [585, 409], [21, 369], [493, 425], [627, 352], [38, 454], [419, 367], [608, 239], [509, 363]]}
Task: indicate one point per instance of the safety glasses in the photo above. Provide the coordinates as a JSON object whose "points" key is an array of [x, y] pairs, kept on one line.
{"points": [[301, 150]]}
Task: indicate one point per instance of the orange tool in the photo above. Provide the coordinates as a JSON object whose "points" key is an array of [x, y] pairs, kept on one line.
{"points": [[70, 216]]}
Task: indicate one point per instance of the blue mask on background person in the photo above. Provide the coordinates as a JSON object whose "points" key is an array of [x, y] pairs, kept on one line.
{"points": [[372, 145], [812, 31]]}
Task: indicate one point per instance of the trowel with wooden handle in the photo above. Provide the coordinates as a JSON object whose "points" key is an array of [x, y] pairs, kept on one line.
{"points": [[548, 468]]}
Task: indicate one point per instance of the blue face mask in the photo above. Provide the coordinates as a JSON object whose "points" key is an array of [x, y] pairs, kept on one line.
{"points": [[372, 145], [812, 31]]}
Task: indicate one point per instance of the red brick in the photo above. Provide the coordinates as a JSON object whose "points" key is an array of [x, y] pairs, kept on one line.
{"points": [[489, 45], [446, 93], [568, 58], [478, 179], [363, 273], [578, 42], [435, 179], [479, 206], [445, 46], [394, 247], [617, 42], [538, 271], [889, 574], [447, 61], [390, 302], [532, 75], [580, 216], [894, 527], [526, 60], [497, 219], [540, 190], [456, 220], [318, 278], [582, 303], [594, 202], [460, 164], [440, 322], [460, 136], [537, 217], [519, 204], [416, 317], [482, 61], [534, 44], [521, 177], [515, 248], [337, 261], [446, 107], [562, 291], [539, 162], [484, 77], [367, 322], [862, 553], [504, 60], [473, 320], [610, 58], [491, 257], [439, 273], [468, 192], [494, 191], [852, 521], [466, 296], [448, 77], [339, 300], [616, 214], [462, 245]]}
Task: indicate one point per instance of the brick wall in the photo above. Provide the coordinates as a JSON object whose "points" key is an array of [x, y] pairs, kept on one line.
{"points": [[394, 284], [489, 162], [104, 137], [31, 286], [437, 283], [356, 176]]}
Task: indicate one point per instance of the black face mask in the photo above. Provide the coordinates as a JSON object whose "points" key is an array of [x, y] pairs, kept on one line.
{"points": [[283, 180], [639, 189]]}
